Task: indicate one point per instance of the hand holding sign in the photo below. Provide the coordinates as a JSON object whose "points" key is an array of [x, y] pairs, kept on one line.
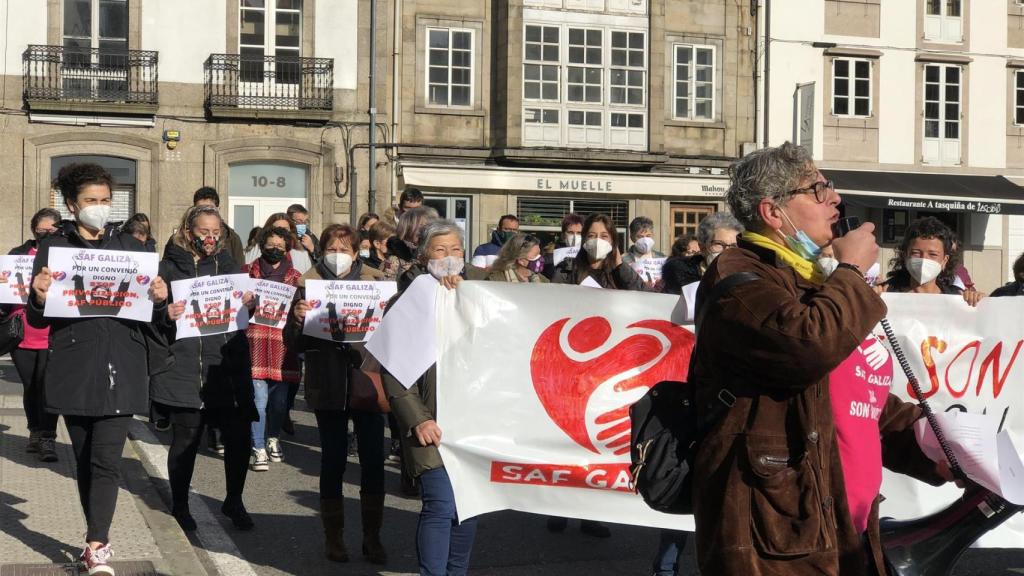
{"points": [[175, 310], [301, 308], [41, 285], [158, 290]]}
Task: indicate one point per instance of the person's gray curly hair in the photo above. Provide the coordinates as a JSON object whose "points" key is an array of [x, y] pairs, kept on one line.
{"points": [[412, 221], [713, 223], [765, 173], [436, 228]]}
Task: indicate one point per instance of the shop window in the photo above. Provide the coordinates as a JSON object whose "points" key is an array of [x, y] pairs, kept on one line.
{"points": [[121, 169], [894, 226], [543, 216], [686, 218]]}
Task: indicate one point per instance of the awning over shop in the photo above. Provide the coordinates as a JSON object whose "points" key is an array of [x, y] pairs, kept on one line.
{"points": [[553, 181], [931, 192]]}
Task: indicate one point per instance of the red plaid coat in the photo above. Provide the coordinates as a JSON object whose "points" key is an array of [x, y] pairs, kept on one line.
{"points": [[271, 358]]}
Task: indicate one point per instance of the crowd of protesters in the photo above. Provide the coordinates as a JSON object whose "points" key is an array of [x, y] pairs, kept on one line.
{"points": [[781, 210]]}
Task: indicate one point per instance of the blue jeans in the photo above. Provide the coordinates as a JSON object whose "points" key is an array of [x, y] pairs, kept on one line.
{"points": [[272, 405], [442, 543], [670, 548]]}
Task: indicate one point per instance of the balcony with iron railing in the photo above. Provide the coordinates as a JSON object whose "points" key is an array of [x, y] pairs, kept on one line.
{"points": [[269, 87], [59, 79]]}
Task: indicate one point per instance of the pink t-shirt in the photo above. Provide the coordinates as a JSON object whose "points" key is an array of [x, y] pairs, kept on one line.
{"points": [[859, 388], [35, 338]]}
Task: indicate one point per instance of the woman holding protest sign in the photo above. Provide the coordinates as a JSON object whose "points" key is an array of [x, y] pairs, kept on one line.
{"points": [[600, 259], [443, 543], [104, 377], [519, 261], [204, 380], [31, 354], [275, 365], [925, 262], [331, 368]]}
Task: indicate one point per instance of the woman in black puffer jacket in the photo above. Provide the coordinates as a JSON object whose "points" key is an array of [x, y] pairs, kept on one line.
{"points": [[97, 376], [203, 381]]}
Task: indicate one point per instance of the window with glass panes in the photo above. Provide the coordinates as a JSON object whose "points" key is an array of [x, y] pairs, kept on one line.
{"points": [[943, 20], [100, 25], [694, 82], [686, 218], [449, 67], [1018, 109], [541, 63], [851, 87], [628, 68], [593, 80], [270, 28], [942, 113]]}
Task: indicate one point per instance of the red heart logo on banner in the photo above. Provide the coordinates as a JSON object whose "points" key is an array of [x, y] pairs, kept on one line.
{"points": [[6, 273], [237, 293], [142, 279], [314, 304], [620, 375], [58, 276]]}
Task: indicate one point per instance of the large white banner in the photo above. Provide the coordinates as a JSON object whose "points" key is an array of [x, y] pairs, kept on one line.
{"points": [[92, 283], [535, 382]]}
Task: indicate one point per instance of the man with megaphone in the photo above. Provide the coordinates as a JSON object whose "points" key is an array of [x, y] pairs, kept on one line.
{"points": [[788, 476]]}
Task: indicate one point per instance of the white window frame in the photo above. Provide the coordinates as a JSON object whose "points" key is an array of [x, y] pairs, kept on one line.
{"points": [[627, 68], [939, 149], [851, 90], [942, 27], [601, 66], [472, 68], [1018, 92], [557, 64], [586, 136], [692, 81]]}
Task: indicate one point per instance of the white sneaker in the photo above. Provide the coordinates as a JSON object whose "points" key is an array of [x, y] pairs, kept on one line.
{"points": [[97, 561], [274, 450], [260, 462]]}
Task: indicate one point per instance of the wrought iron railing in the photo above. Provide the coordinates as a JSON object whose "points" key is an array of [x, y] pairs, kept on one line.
{"points": [[60, 74], [269, 82]]}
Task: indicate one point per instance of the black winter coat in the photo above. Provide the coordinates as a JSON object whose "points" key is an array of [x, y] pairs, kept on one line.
{"points": [[680, 271], [97, 365], [205, 372]]}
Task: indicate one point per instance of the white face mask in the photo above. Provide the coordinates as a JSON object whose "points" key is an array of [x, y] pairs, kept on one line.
{"points": [[572, 240], [338, 262], [644, 245], [827, 265], [924, 270], [447, 266], [94, 217], [364, 253], [597, 248]]}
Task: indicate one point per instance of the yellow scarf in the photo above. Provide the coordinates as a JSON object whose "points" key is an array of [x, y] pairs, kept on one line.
{"points": [[805, 268]]}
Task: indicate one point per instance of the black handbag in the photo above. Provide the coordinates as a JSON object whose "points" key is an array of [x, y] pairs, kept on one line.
{"points": [[12, 332], [666, 429]]}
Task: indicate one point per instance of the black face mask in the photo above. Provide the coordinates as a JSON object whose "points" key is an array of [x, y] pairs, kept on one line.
{"points": [[273, 255]]}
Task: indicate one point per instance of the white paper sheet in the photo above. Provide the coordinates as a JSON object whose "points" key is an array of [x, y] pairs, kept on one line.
{"points": [[15, 278], [273, 301], [589, 282], [563, 253], [97, 283], [986, 457], [345, 311], [406, 340], [649, 269], [213, 305]]}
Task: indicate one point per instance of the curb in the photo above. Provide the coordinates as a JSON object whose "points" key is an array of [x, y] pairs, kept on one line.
{"points": [[219, 548]]}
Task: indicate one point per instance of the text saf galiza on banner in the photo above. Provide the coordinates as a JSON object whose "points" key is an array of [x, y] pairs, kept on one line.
{"points": [[344, 310], [213, 304], [94, 283]]}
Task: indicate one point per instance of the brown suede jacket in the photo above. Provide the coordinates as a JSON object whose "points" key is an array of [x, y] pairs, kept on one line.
{"points": [[768, 485]]}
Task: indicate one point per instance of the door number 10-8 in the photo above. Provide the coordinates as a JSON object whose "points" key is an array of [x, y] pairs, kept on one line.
{"points": [[263, 181]]}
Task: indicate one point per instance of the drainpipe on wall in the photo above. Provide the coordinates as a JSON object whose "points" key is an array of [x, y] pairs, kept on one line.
{"points": [[767, 64], [371, 174], [396, 53]]}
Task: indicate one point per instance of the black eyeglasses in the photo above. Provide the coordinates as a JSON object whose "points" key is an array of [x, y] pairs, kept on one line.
{"points": [[820, 189], [721, 246]]}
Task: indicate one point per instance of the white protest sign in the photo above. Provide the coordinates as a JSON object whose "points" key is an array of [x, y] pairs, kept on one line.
{"points": [[95, 283], [563, 253], [649, 269], [15, 278], [273, 301], [345, 310], [213, 305]]}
